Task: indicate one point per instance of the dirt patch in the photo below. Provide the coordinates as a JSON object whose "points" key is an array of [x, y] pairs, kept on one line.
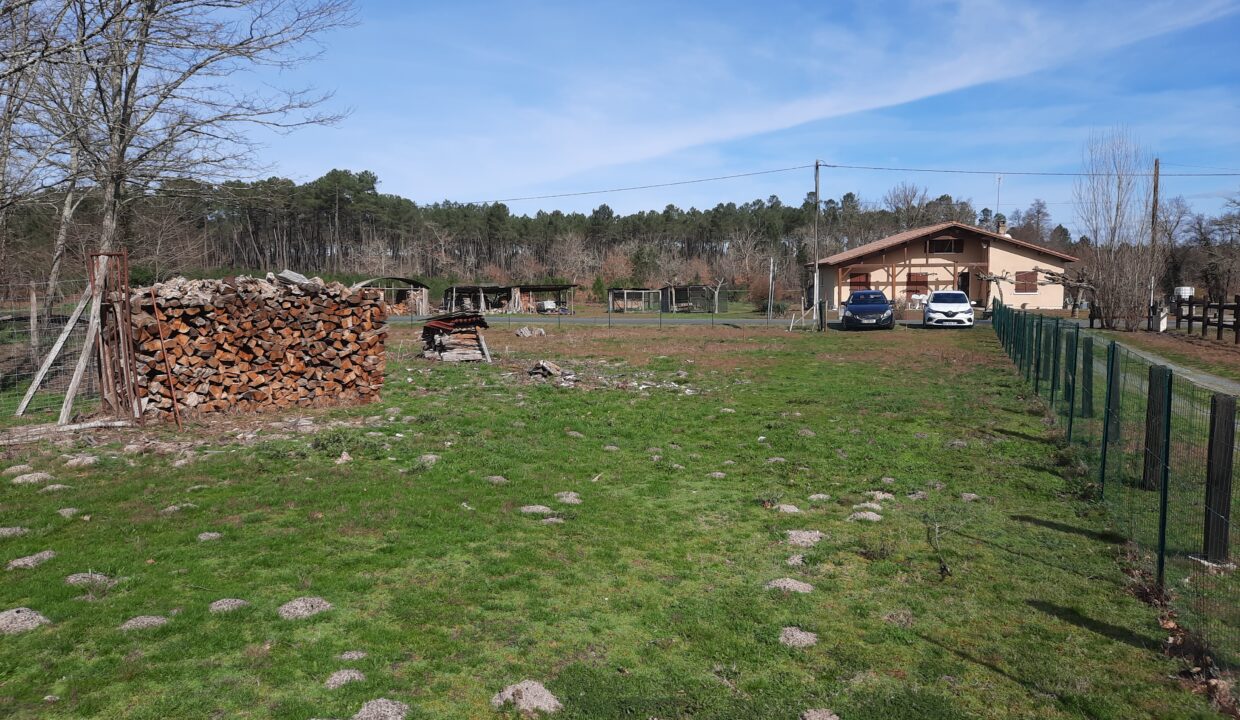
{"points": [[209, 536], [174, 509], [536, 510], [879, 495], [227, 605], [31, 561], [919, 495], [352, 655], [776, 460], [797, 560], [795, 637], [303, 607], [496, 479], [868, 506], [819, 714], [529, 697], [16, 470], [804, 538], [20, 620], [790, 585], [144, 622], [8, 532], [340, 678], [900, 618], [80, 461], [718, 475], [428, 460], [68, 512], [552, 521], [970, 497], [89, 579], [865, 516], [382, 709], [55, 487], [32, 478], [819, 497]]}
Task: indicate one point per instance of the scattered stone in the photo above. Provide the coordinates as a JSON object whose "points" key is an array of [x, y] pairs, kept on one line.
{"points": [[17, 470], [864, 516], [879, 495], [303, 607], [797, 560], [382, 709], [55, 487], [340, 678], [726, 410], [795, 637], [957, 444], [92, 579], [819, 714], [568, 498], [68, 512], [496, 479], [819, 497], [656, 458], [31, 561], [536, 510], [227, 605], [344, 458], [806, 432], [677, 466], [902, 617], [428, 460], [78, 461], [775, 460], [785, 508], [611, 448], [352, 655], [209, 536], [8, 532], [790, 585], [143, 622], [174, 509], [574, 434], [51, 699], [921, 435], [673, 446], [33, 478], [804, 538], [20, 620], [729, 462], [970, 497], [529, 697], [936, 485], [919, 495], [718, 475], [553, 521], [888, 481], [868, 506], [196, 488]]}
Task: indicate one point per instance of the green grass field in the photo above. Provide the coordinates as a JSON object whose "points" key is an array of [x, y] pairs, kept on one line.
{"points": [[648, 601]]}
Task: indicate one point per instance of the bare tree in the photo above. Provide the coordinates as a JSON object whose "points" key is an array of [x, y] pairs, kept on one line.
{"points": [[1112, 205], [908, 203], [159, 105]]}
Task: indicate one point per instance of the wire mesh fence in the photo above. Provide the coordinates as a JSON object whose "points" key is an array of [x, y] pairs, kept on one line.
{"points": [[1160, 449], [33, 318]]}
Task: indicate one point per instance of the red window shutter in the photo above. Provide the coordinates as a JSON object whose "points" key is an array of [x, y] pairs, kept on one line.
{"points": [[1027, 281]]}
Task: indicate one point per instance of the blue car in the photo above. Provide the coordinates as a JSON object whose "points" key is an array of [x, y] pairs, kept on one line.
{"points": [[868, 309]]}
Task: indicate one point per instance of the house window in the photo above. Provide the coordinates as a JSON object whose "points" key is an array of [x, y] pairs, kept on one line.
{"points": [[1027, 281], [945, 246], [918, 283], [858, 281]]}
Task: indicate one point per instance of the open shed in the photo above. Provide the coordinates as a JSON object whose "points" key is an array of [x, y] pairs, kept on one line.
{"points": [[690, 298], [632, 300], [545, 298], [401, 296]]}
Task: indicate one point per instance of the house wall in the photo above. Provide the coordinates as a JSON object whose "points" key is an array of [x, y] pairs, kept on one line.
{"points": [[1012, 258]]}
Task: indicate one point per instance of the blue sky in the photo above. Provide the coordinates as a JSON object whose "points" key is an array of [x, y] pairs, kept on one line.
{"points": [[477, 101]]}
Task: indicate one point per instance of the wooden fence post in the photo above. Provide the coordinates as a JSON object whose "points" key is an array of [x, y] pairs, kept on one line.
{"points": [[1157, 412], [1179, 303], [1218, 477], [1110, 415], [1190, 316], [35, 355], [1235, 320], [1205, 319], [1222, 310]]}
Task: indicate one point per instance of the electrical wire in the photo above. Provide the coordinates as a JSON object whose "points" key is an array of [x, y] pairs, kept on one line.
{"points": [[1018, 172], [642, 187]]}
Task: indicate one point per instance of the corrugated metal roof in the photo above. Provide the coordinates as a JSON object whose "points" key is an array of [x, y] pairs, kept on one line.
{"points": [[916, 233]]}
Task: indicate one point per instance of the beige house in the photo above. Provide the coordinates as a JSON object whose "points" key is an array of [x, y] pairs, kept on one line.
{"points": [[946, 256]]}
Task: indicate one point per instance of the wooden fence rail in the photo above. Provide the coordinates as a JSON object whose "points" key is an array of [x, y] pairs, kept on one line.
{"points": [[1209, 315]]}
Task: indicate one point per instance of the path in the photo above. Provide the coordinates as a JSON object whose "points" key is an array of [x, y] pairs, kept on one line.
{"points": [[1204, 379]]}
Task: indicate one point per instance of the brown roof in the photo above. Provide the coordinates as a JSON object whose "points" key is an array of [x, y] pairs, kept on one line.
{"points": [[910, 235]]}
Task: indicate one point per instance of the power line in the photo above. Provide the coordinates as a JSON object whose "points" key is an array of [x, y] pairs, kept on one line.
{"points": [[643, 187], [1019, 172]]}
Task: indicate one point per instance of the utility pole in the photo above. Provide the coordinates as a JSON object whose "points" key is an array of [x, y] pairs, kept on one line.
{"points": [[770, 291], [817, 254], [998, 187], [1154, 246]]}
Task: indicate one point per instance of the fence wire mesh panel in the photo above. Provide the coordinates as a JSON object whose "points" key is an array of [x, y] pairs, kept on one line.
{"points": [[1160, 451], [33, 318]]}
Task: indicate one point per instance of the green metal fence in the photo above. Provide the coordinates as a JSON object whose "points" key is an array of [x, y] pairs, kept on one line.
{"points": [[1161, 451]]}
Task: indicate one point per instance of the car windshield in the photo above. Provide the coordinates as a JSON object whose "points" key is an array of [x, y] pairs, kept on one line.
{"points": [[868, 299], [950, 298]]}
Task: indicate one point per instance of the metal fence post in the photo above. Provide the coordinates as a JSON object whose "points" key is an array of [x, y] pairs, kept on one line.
{"points": [[1087, 381], [1070, 379], [1036, 369], [1109, 411], [1158, 455], [1055, 345], [1218, 477]]}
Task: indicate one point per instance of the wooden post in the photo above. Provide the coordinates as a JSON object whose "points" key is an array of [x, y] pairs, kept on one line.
{"points": [[34, 324], [1190, 316], [1157, 414], [53, 353], [1205, 319], [1222, 310], [1218, 477], [1235, 319], [1179, 304]]}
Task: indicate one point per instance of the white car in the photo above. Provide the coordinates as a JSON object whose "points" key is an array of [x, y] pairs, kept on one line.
{"points": [[948, 308]]}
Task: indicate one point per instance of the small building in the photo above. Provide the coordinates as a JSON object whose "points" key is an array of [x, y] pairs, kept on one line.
{"points": [[690, 298], [544, 298], [401, 296], [947, 256], [620, 300]]}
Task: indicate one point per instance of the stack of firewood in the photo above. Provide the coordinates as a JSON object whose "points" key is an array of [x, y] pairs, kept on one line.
{"points": [[455, 337], [253, 344]]}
